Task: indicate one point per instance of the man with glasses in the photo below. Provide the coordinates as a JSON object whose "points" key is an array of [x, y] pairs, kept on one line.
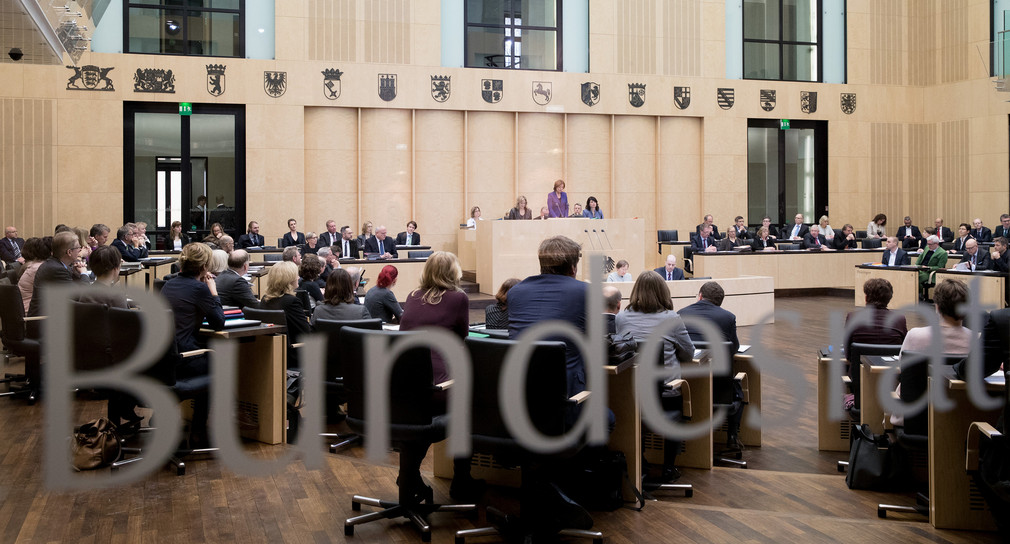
{"points": [[10, 248], [59, 268]]}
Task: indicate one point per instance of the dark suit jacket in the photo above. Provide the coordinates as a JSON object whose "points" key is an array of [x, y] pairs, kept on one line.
{"points": [[388, 246], [295, 317], [678, 274], [999, 232], [130, 254], [723, 319], [288, 240], [945, 234], [995, 343], [327, 240], [741, 233], [610, 320], [1002, 264], [191, 303], [401, 239], [696, 244], [983, 234], [959, 244], [234, 290], [715, 232], [51, 271], [982, 259], [169, 245], [7, 250], [900, 259], [787, 231], [759, 244], [912, 231], [840, 243], [355, 249], [250, 240], [809, 242]]}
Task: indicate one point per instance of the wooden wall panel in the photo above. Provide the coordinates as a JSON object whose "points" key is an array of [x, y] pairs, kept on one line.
{"points": [[490, 164], [954, 181], [887, 173], [888, 43], [921, 186], [27, 162], [589, 158], [541, 161], [438, 177], [681, 37], [332, 30], [636, 36], [386, 167], [957, 54], [387, 32], [331, 168], [635, 176], [922, 46]]}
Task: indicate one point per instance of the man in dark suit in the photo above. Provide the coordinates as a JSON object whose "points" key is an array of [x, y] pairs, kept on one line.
{"points": [[409, 237], [909, 234], [813, 239], [56, 269], [707, 222], [844, 240], [977, 260], [709, 308], [251, 238], [10, 248], [381, 244], [331, 236], [611, 306], [1004, 227], [741, 228], [797, 230], [980, 233], [995, 344], [128, 245], [670, 272], [1000, 260], [704, 241], [894, 255], [348, 244], [942, 232], [233, 289]]}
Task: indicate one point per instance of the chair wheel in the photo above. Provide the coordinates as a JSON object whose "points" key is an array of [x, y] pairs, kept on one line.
{"points": [[348, 530], [689, 493], [426, 536], [460, 540], [180, 470], [597, 541], [881, 513], [356, 506], [333, 449]]}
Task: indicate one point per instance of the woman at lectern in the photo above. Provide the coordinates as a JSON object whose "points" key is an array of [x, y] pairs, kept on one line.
{"points": [[557, 201]]}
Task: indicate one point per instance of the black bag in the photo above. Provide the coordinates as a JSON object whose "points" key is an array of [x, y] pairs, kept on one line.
{"points": [[294, 403], [875, 462], [597, 481]]}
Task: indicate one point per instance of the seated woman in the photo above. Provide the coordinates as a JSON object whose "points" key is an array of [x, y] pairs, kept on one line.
{"points": [[496, 316], [35, 252], [380, 300], [105, 261], [521, 211], [311, 243], [218, 261], [281, 282], [621, 272], [650, 306], [763, 241], [176, 238], [308, 273], [339, 302], [474, 217], [438, 302], [192, 295], [592, 210], [731, 242]]}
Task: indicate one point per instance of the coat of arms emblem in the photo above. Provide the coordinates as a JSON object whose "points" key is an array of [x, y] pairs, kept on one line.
{"points": [[808, 101], [682, 97], [636, 94], [331, 83], [215, 79], [767, 99], [440, 88], [387, 87], [542, 92], [725, 96], [90, 76], [275, 83], [491, 90], [590, 93], [848, 103], [153, 80]]}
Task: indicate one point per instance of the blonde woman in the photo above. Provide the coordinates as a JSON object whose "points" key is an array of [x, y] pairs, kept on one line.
{"points": [[218, 261], [367, 231], [521, 211], [282, 280], [826, 230]]}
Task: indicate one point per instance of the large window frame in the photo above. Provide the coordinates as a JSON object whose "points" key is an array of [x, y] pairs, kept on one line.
{"points": [[186, 12], [782, 44], [514, 31], [782, 215]]}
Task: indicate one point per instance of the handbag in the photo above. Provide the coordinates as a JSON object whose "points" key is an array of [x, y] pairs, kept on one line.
{"points": [[95, 444], [875, 462]]}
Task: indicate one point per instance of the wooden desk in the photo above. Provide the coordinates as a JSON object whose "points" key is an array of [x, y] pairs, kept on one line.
{"points": [[904, 280], [261, 254], [832, 434], [872, 369], [750, 426], [131, 277], [749, 298], [790, 269], [698, 452], [954, 501], [157, 269], [991, 285], [466, 248], [262, 380]]}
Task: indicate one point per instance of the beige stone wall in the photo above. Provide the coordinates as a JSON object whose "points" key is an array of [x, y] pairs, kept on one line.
{"points": [[928, 137]]}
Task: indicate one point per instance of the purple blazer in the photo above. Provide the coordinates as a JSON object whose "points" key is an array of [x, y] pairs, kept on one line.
{"points": [[557, 207]]}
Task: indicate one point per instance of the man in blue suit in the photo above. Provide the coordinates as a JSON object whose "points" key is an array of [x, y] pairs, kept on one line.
{"points": [[670, 272], [893, 254]]}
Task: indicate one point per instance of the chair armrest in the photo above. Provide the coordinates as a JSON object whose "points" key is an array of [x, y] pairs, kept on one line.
{"points": [[297, 344], [194, 353], [685, 395], [846, 380], [971, 458], [741, 378], [579, 398], [35, 318], [690, 262], [444, 385], [932, 277]]}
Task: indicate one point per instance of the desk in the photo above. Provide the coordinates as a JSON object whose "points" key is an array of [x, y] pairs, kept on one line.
{"points": [[156, 269], [466, 248], [954, 502], [872, 369], [749, 298], [904, 280], [262, 380], [832, 435], [698, 452], [991, 285], [261, 254], [790, 269], [131, 277]]}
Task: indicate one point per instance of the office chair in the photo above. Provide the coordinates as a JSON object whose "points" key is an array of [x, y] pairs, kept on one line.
{"points": [[413, 421], [787, 247], [854, 357], [274, 317], [334, 377], [17, 342], [663, 236], [730, 392], [989, 449], [547, 403], [674, 413], [424, 254], [913, 436], [871, 243]]}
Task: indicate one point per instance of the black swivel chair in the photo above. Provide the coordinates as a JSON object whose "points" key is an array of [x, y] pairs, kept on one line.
{"points": [[334, 378], [274, 317], [871, 243], [413, 419], [17, 342], [664, 236], [420, 254], [547, 403], [854, 355], [913, 436], [728, 391], [680, 412]]}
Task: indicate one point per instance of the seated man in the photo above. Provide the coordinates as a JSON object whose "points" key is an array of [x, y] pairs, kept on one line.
{"points": [[813, 239], [845, 240], [62, 267], [128, 244], [544, 213], [894, 255], [704, 242], [670, 272], [909, 234], [797, 230], [980, 233], [348, 244], [1000, 261], [381, 244], [1004, 228], [577, 211], [707, 222], [773, 232], [330, 236], [292, 254], [232, 287], [942, 232], [934, 258], [741, 228], [611, 306], [226, 243], [10, 248], [251, 238], [975, 259], [409, 237]]}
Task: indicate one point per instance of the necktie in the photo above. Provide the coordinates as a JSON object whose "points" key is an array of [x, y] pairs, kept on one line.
{"points": [[704, 243], [669, 276], [346, 249], [817, 241], [17, 250], [973, 262]]}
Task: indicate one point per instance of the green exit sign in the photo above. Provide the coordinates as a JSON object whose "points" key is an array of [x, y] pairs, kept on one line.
{"points": [[784, 124], [186, 108]]}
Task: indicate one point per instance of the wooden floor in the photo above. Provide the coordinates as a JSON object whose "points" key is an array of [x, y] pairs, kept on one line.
{"points": [[791, 493]]}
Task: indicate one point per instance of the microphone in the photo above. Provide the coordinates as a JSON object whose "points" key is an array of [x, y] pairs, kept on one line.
{"points": [[607, 237], [590, 238]]}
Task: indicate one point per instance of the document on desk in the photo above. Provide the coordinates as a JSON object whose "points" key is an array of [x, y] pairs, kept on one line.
{"points": [[743, 348], [996, 378]]}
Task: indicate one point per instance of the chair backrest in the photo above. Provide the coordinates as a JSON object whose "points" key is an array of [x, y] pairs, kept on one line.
{"points": [[546, 387], [91, 336], [158, 284], [272, 257], [871, 243], [280, 242], [854, 353], [722, 384], [12, 314], [334, 350], [307, 304], [860, 234], [914, 382], [276, 317], [127, 324], [410, 392], [788, 247], [424, 254], [667, 235]]}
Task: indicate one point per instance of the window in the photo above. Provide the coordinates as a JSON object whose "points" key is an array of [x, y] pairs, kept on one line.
{"points": [[514, 34], [787, 170], [782, 40], [210, 28]]}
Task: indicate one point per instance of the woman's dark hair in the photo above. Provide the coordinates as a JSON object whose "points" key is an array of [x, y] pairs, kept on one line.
{"points": [[878, 292], [594, 201], [386, 276], [171, 231], [105, 259], [880, 217], [310, 268], [966, 226], [502, 295], [36, 249], [650, 294], [949, 297], [339, 288]]}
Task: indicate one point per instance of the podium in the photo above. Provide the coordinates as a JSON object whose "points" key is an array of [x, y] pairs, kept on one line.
{"points": [[507, 249]]}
